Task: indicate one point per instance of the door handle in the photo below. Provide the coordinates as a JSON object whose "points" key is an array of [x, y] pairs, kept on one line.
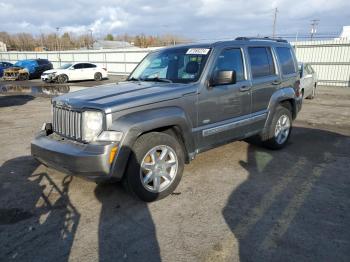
{"points": [[244, 88], [276, 82]]}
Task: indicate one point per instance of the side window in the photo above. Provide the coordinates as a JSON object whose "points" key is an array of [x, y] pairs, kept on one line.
{"points": [[231, 59], [86, 65], [285, 57], [261, 61], [78, 66]]}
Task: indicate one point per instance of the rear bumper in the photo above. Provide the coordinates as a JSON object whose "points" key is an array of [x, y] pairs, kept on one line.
{"points": [[87, 160]]}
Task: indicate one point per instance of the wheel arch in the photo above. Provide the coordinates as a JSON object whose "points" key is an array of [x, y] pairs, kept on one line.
{"points": [[172, 121]]}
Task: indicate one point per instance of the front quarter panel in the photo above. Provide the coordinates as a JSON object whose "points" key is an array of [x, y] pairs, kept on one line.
{"points": [[134, 124]]}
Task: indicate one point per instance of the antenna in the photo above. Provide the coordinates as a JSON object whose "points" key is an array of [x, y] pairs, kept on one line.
{"points": [[314, 24], [274, 22]]}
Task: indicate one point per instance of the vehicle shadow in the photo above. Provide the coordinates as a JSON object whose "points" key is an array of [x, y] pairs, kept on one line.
{"points": [[15, 100], [295, 203], [37, 220], [126, 228]]}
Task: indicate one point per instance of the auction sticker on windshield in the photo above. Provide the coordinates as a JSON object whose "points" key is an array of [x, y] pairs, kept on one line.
{"points": [[197, 51]]}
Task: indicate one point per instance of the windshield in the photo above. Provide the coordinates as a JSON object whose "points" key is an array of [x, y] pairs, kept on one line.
{"points": [[178, 65], [65, 66]]}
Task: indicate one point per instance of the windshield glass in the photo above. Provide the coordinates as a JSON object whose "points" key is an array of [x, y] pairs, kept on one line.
{"points": [[65, 66], [178, 65]]}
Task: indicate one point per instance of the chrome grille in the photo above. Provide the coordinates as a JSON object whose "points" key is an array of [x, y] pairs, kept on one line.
{"points": [[67, 122]]}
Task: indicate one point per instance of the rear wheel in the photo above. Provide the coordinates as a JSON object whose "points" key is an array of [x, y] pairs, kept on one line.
{"points": [[62, 79], [155, 167], [98, 76], [313, 94], [280, 129]]}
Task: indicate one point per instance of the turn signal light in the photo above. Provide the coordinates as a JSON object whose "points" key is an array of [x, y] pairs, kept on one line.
{"points": [[112, 154]]}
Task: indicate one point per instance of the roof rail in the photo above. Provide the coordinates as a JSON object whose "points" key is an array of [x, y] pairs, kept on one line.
{"points": [[243, 38]]}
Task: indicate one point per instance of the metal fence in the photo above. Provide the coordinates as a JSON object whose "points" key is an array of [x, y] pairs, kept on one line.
{"points": [[329, 58], [119, 61]]}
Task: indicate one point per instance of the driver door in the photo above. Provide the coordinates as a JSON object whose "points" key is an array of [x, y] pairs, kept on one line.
{"points": [[223, 108], [76, 72]]}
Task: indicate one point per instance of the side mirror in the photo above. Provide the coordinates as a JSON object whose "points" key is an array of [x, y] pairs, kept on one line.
{"points": [[223, 77]]}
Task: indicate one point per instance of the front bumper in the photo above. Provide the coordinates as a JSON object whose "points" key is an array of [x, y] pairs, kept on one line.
{"points": [[87, 160], [48, 77]]}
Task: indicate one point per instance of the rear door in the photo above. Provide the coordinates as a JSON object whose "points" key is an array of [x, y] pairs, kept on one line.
{"points": [[265, 79]]}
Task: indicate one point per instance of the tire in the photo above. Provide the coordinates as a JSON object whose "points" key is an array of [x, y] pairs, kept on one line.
{"points": [[23, 77], [313, 94], [62, 79], [146, 153], [281, 119], [98, 76]]}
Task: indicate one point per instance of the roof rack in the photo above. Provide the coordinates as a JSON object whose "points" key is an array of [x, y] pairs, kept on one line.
{"points": [[243, 38]]}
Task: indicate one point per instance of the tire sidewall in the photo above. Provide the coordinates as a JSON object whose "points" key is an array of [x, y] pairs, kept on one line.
{"points": [[98, 76], [60, 79], [140, 149], [272, 143]]}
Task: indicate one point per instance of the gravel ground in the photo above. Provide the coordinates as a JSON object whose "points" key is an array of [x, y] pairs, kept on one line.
{"points": [[237, 202]]}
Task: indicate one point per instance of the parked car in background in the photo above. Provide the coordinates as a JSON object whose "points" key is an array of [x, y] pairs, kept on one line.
{"points": [[3, 66], [74, 72], [25, 69], [308, 80]]}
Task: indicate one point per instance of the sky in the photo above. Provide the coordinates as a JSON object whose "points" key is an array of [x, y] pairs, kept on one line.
{"points": [[194, 19]]}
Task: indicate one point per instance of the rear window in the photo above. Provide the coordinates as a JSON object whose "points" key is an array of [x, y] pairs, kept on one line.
{"points": [[286, 59], [261, 61]]}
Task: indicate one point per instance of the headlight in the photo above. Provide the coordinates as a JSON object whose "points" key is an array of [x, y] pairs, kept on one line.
{"points": [[92, 125]]}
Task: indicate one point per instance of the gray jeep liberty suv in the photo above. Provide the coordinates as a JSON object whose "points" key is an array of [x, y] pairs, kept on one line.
{"points": [[178, 102]]}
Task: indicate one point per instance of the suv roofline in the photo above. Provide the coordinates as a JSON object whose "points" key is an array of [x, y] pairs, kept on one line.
{"points": [[237, 40]]}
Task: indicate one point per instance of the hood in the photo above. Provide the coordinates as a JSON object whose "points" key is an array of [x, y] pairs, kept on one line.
{"points": [[116, 97], [50, 71], [15, 68]]}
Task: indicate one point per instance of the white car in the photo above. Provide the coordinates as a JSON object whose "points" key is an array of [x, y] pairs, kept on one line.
{"points": [[308, 80], [74, 72]]}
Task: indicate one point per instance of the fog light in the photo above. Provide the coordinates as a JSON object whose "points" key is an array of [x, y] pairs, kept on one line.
{"points": [[112, 154]]}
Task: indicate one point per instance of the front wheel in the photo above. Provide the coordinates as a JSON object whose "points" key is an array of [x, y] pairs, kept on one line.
{"points": [[62, 79], [155, 167], [280, 129]]}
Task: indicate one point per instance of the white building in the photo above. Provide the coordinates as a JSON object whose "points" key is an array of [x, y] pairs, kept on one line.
{"points": [[345, 33], [3, 47]]}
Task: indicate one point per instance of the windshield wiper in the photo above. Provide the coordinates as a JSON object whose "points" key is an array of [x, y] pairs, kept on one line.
{"points": [[157, 79]]}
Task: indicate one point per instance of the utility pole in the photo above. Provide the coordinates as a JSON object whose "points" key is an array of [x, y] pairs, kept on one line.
{"points": [[58, 45], [92, 40], [274, 22], [314, 24]]}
